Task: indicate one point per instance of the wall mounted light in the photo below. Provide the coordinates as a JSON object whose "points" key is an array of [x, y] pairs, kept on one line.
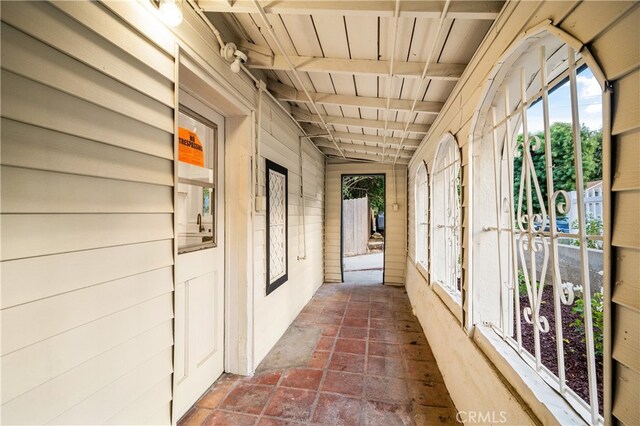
{"points": [[231, 54], [240, 58], [170, 11]]}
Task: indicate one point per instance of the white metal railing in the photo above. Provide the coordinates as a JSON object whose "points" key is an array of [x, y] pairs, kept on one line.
{"points": [[445, 251], [525, 245]]}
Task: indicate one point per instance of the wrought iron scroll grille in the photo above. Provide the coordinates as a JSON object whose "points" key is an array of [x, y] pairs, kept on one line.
{"points": [[277, 243], [445, 251], [421, 217], [277, 235], [528, 234]]}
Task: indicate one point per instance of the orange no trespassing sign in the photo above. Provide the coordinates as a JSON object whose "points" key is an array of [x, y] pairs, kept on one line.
{"points": [[190, 148]]}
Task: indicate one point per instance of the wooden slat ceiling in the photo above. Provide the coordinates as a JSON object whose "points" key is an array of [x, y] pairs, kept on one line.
{"points": [[341, 51]]}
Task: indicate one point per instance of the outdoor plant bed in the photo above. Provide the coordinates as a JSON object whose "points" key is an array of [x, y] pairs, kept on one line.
{"points": [[575, 352]]}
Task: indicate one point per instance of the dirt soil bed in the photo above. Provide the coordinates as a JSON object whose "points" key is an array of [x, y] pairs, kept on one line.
{"points": [[575, 353]]}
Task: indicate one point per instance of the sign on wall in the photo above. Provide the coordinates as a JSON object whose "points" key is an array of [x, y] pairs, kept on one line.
{"points": [[190, 148]]}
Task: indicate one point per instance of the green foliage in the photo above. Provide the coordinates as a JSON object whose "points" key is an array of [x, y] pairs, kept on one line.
{"points": [[522, 284], [594, 227], [597, 302], [564, 174], [361, 186]]}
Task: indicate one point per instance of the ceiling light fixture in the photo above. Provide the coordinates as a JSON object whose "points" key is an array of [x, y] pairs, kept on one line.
{"points": [[231, 54], [171, 12]]}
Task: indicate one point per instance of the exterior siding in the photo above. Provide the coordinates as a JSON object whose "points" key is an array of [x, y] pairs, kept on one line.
{"points": [[87, 228], [275, 312], [611, 31], [87, 211], [395, 226]]}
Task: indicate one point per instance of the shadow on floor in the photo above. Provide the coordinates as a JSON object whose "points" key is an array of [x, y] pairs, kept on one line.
{"points": [[355, 355]]}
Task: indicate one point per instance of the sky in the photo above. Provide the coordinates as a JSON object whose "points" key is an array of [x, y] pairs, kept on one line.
{"points": [[589, 101]]}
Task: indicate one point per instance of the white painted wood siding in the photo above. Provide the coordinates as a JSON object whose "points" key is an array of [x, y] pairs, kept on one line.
{"points": [[395, 221], [611, 30], [87, 209], [87, 226], [274, 313]]}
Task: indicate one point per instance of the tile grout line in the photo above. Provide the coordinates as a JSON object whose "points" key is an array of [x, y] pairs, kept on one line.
{"points": [[325, 370], [273, 391]]}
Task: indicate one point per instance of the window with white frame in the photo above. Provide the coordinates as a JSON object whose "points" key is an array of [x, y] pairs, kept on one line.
{"points": [[421, 214], [537, 251], [445, 250]]}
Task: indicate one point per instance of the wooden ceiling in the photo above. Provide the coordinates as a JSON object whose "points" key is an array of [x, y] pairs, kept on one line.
{"points": [[360, 83]]}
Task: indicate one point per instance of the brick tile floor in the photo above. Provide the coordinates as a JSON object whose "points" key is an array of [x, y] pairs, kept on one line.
{"points": [[372, 365]]}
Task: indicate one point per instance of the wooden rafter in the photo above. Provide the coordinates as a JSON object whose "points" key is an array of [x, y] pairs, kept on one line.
{"points": [[290, 94], [364, 149], [382, 8], [306, 117], [389, 141], [361, 156], [436, 71]]}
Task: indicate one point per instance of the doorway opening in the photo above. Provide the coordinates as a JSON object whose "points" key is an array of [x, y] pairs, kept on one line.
{"points": [[363, 228]]}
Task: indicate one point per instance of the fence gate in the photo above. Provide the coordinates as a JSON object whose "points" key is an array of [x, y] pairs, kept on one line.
{"points": [[355, 226]]}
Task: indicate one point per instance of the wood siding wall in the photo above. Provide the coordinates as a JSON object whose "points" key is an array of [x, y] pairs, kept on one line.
{"points": [[610, 29], [275, 312], [395, 221], [87, 219], [87, 210]]}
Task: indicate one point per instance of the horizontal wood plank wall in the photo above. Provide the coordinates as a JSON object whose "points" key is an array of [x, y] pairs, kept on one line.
{"points": [[621, 62], [395, 221], [611, 31], [275, 312], [87, 227]]}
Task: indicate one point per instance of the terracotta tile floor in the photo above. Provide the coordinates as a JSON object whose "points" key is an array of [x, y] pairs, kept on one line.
{"points": [[371, 366]]}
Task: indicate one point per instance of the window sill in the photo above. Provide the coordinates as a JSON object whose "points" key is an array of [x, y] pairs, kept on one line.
{"points": [[422, 268], [449, 300], [545, 403]]}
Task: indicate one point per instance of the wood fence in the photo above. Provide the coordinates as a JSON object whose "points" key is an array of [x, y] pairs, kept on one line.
{"points": [[355, 226]]}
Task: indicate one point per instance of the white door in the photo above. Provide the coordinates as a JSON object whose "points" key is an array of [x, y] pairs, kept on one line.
{"points": [[199, 293]]}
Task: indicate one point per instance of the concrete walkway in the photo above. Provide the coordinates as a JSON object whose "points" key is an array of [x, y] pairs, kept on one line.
{"points": [[355, 355], [364, 269]]}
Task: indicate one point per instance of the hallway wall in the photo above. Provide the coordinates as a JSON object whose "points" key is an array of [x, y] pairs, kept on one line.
{"points": [[611, 31], [87, 218], [87, 225], [275, 312], [395, 226]]}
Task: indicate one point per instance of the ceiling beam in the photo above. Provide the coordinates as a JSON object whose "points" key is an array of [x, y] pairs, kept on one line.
{"points": [[364, 149], [382, 8], [315, 131], [449, 72], [361, 156], [358, 137], [306, 117], [287, 93]]}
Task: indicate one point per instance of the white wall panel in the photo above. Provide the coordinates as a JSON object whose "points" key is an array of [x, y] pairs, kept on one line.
{"points": [[274, 313], [87, 223]]}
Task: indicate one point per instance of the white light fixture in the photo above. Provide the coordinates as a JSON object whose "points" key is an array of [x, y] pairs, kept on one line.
{"points": [[231, 54], [240, 58], [171, 12]]}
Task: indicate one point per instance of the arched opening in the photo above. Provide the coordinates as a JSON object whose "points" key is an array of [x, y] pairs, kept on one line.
{"points": [[445, 251], [537, 165]]}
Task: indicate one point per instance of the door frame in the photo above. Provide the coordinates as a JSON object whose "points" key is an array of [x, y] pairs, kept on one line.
{"points": [[384, 246], [203, 82]]}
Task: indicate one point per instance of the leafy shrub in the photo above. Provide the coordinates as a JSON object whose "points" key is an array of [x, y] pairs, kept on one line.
{"points": [[593, 227], [597, 302]]}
